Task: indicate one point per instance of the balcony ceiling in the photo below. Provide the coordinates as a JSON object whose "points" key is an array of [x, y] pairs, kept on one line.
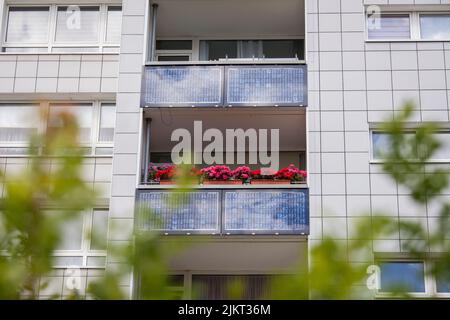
{"points": [[292, 124], [230, 18]]}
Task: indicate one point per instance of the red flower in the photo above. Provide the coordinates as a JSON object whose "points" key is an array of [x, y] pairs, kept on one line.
{"points": [[291, 173], [242, 173], [222, 173]]}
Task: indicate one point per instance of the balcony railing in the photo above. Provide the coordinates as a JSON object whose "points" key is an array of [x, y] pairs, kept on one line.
{"points": [[224, 85], [224, 211]]}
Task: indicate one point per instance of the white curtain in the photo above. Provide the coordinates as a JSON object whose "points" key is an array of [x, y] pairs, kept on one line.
{"points": [[114, 25], [250, 49], [18, 122], [27, 25], [78, 26], [107, 123]]}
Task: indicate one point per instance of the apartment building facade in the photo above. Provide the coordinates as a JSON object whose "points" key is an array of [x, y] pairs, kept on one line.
{"points": [[136, 71]]}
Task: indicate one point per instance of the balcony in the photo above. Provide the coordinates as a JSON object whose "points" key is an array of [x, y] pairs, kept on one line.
{"points": [[220, 84], [226, 211]]}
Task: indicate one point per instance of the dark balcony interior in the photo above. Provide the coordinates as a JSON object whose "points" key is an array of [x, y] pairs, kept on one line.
{"points": [[194, 18], [291, 123], [220, 29]]}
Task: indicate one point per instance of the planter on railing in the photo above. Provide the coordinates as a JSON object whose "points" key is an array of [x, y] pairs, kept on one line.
{"points": [[167, 174], [270, 181], [167, 182], [222, 182]]}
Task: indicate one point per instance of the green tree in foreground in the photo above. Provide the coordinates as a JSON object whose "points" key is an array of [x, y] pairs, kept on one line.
{"points": [[407, 161], [28, 233]]}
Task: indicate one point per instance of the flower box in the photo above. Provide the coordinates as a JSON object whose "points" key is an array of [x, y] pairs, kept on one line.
{"points": [[167, 182], [221, 182], [270, 181]]}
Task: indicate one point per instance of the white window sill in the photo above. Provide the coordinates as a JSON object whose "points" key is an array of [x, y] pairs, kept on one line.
{"points": [[426, 163], [57, 54], [228, 62], [404, 40]]}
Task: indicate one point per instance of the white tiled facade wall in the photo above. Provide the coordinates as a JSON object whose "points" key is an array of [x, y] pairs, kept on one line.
{"points": [[353, 83], [53, 73], [127, 134]]}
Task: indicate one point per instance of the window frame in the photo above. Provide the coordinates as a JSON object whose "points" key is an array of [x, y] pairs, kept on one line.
{"points": [[102, 45], [86, 239], [430, 283], [94, 142], [415, 27], [373, 160]]}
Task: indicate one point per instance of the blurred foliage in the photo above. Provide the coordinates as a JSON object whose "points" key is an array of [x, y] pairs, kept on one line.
{"points": [[407, 161], [147, 256], [332, 275], [28, 233]]}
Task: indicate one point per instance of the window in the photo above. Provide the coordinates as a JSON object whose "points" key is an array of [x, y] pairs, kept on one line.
{"points": [[83, 241], [444, 151], [114, 25], [77, 27], [18, 122], [107, 123], [27, 25], [173, 45], [381, 143], [217, 287], [82, 114], [56, 28], [390, 26], [408, 276], [409, 26], [173, 50], [222, 49], [443, 283], [218, 49], [173, 57], [435, 26], [403, 276]]}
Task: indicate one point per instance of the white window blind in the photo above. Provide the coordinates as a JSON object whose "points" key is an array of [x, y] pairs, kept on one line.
{"points": [[18, 122], [82, 113], [83, 238], [390, 26], [107, 123], [61, 29], [72, 234], [99, 230], [77, 25], [443, 153], [27, 25], [114, 25]]}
